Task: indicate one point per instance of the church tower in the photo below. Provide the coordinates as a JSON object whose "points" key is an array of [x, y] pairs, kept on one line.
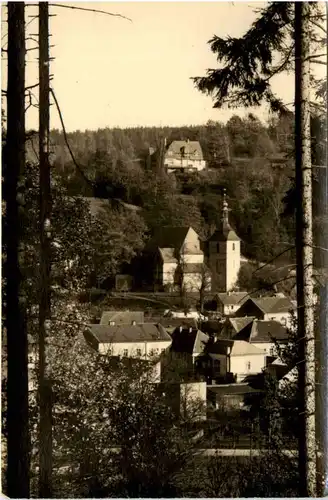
{"points": [[224, 253]]}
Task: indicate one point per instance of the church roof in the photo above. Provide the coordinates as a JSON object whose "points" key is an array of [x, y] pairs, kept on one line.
{"points": [[224, 231]]}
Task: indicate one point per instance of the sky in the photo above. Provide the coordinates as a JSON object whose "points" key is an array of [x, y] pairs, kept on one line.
{"points": [[111, 72]]}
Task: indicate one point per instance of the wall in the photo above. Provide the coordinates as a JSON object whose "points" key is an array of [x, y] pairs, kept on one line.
{"points": [[266, 346], [117, 349], [284, 318], [239, 365], [233, 263], [192, 259], [175, 163], [191, 243]]}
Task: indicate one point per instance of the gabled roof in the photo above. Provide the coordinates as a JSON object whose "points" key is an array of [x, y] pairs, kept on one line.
{"points": [[268, 331], [170, 237], [232, 389], [238, 324], [238, 348], [167, 255], [273, 304], [232, 298], [122, 317], [241, 348], [146, 332], [192, 342], [173, 238], [224, 232], [191, 149]]}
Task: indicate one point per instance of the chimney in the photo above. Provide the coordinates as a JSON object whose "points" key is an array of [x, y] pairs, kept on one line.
{"points": [[112, 323]]}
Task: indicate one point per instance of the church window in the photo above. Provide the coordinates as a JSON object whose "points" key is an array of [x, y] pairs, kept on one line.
{"points": [[233, 246]]}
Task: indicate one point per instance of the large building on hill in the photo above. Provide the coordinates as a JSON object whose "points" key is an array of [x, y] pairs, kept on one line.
{"points": [[177, 156], [184, 156]]}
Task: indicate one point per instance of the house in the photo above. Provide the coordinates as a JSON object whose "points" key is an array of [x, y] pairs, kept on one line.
{"points": [[237, 328], [227, 397], [277, 369], [189, 341], [265, 335], [121, 317], [184, 156], [227, 303], [178, 258], [224, 253], [275, 308], [144, 340], [239, 358]]}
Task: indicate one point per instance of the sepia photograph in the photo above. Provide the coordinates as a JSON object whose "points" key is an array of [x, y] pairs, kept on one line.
{"points": [[164, 249]]}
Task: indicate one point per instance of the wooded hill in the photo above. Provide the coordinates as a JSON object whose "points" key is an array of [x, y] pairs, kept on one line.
{"points": [[251, 159]]}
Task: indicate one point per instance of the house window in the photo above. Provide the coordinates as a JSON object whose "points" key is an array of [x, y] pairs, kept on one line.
{"points": [[233, 246], [139, 352], [217, 365], [283, 321], [218, 248], [162, 350], [272, 351], [218, 266], [125, 352], [248, 365], [109, 351]]}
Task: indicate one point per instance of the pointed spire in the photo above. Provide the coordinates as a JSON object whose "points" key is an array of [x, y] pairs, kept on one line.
{"points": [[225, 209]]}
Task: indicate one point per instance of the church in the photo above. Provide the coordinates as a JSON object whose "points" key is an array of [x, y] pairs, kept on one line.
{"points": [[181, 258]]}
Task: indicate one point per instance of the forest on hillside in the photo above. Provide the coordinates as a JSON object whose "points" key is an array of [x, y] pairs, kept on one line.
{"points": [[252, 160]]}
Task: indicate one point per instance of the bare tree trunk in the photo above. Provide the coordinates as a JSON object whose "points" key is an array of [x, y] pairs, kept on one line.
{"points": [[45, 423], [17, 345], [304, 248]]}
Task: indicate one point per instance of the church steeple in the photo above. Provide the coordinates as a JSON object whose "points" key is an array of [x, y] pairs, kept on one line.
{"points": [[225, 210]]}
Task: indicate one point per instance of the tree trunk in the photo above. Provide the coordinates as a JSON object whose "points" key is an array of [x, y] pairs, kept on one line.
{"points": [[304, 249], [17, 345], [45, 398]]}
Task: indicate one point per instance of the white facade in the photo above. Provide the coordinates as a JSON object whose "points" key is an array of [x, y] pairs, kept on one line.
{"points": [[190, 253], [232, 263], [173, 164], [285, 318], [143, 350], [169, 270], [247, 364]]}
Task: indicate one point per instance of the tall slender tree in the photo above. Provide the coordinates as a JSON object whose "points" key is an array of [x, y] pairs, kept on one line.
{"points": [[304, 249], [45, 424], [17, 346]]}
